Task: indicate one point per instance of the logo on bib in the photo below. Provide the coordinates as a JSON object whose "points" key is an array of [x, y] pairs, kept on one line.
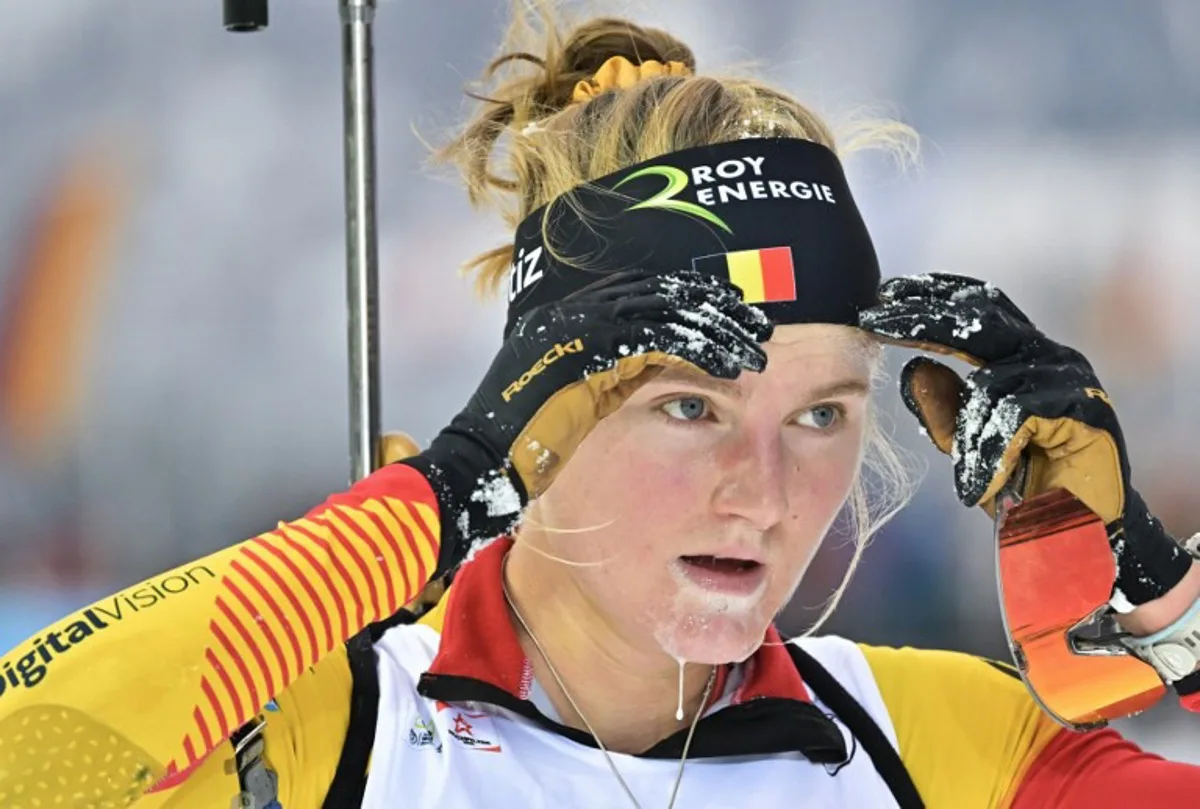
{"points": [[423, 733], [474, 731]]}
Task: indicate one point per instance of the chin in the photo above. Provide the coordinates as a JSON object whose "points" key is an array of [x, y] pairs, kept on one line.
{"points": [[713, 637]]}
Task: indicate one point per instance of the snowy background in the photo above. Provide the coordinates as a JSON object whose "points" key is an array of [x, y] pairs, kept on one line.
{"points": [[1062, 161]]}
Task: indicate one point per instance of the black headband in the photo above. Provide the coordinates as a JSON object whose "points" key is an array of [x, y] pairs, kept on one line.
{"points": [[772, 215]]}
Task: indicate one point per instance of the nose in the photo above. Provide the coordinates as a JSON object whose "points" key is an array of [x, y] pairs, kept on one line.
{"points": [[753, 479]]}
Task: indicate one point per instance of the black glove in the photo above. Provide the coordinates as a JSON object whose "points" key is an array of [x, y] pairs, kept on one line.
{"points": [[1030, 395], [565, 366]]}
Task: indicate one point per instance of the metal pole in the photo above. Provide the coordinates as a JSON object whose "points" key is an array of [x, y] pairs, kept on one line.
{"points": [[362, 254], [362, 251]]}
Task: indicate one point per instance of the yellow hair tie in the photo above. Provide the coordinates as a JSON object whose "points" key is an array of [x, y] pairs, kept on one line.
{"points": [[618, 73]]}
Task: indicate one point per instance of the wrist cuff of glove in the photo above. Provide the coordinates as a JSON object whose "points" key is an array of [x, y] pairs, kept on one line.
{"points": [[1174, 651], [1150, 562], [474, 506]]}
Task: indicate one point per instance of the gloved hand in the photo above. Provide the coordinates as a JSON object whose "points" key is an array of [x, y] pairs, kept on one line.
{"points": [[1029, 394], [565, 366]]}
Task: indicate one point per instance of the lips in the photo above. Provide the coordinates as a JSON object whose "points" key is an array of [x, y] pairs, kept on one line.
{"points": [[727, 575]]}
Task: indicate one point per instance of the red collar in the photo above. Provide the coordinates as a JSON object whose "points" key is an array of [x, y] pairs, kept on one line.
{"points": [[479, 642]]}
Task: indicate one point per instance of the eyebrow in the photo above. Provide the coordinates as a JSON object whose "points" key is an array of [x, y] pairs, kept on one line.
{"points": [[848, 387], [730, 388]]}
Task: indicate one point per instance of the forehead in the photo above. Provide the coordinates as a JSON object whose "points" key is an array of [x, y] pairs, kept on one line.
{"points": [[801, 359], [843, 346]]}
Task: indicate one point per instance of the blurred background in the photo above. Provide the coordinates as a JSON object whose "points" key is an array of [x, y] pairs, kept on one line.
{"points": [[172, 321]]}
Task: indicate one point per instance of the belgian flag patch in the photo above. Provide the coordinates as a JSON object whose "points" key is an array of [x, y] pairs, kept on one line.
{"points": [[764, 276]]}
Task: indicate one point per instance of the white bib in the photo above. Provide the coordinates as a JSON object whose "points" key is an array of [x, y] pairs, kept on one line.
{"points": [[479, 756]]}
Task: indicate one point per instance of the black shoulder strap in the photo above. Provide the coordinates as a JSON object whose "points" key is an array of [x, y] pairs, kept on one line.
{"points": [[883, 755], [350, 778]]}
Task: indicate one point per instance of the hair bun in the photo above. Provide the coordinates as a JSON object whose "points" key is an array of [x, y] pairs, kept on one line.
{"points": [[589, 46]]}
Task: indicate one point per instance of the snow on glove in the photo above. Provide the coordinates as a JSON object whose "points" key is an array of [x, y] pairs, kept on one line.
{"points": [[1029, 395], [565, 366]]}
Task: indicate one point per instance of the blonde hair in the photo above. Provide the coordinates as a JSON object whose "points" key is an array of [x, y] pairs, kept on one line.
{"points": [[881, 488], [528, 142]]}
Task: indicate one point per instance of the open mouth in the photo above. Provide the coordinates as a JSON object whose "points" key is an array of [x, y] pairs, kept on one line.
{"points": [[721, 563], [723, 574]]}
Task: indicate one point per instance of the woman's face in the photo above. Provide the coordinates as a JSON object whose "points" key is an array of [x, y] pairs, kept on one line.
{"points": [[707, 499]]}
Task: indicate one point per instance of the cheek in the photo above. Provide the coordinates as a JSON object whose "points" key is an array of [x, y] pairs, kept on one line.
{"points": [[639, 495], [826, 488], [821, 483], [633, 482], [652, 460]]}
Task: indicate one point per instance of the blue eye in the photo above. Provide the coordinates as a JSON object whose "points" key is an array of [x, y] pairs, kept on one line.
{"points": [[686, 408], [822, 417]]}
